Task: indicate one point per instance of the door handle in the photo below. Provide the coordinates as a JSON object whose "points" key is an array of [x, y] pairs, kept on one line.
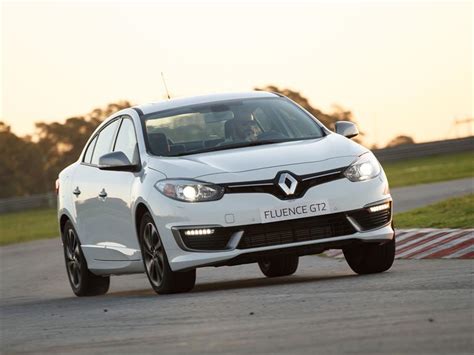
{"points": [[76, 191], [103, 194]]}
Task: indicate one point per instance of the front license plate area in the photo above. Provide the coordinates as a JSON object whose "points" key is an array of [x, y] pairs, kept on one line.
{"points": [[294, 210]]}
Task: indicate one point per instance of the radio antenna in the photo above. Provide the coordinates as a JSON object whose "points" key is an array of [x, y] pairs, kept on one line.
{"points": [[166, 87]]}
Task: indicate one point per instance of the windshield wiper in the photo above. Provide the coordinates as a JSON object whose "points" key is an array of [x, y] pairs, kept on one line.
{"points": [[232, 146]]}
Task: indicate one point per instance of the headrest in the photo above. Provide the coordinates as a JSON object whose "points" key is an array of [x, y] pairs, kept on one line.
{"points": [[158, 143], [229, 128]]}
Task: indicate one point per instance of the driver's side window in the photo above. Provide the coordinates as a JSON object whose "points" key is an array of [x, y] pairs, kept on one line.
{"points": [[127, 141], [104, 142]]}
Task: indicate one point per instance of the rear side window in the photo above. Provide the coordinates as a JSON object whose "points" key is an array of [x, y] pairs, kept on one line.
{"points": [[104, 142], [126, 141], [89, 151]]}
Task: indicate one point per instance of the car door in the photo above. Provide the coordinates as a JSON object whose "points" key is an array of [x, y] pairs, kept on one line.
{"points": [[87, 185], [116, 188]]}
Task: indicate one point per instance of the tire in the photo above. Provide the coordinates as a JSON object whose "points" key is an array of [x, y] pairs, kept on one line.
{"points": [[82, 281], [281, 265], [162, 279], [370, 258]]}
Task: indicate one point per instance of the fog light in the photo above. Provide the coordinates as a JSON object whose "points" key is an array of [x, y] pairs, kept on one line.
{"points": [[378, 208], [204, 231]]}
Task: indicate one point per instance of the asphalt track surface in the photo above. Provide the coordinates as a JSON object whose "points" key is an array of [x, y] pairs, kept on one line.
{"points": [[419, 306], [423, 306], [407, 198]]}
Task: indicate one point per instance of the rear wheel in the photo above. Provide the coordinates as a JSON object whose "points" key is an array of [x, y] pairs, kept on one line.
{"points": [[82, 281], [161, 277], [370, 258], [281, 265]]}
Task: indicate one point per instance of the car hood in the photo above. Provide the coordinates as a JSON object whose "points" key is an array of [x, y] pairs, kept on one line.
{"points": [[301, 157]]}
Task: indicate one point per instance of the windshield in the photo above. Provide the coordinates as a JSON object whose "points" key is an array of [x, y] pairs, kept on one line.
{"points": [[227, 125]]}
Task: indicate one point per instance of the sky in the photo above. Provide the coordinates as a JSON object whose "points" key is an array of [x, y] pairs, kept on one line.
{"points": [[401, 67]]}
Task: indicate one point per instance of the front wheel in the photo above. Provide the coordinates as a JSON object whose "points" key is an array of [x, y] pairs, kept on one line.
{"points": [[161, 277], [82, 281], [282, 265], [370, 258]]}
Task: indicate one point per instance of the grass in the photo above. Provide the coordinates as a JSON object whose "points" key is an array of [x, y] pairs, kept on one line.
{"points": [[455, 212], [28, 225], [430, 169]]}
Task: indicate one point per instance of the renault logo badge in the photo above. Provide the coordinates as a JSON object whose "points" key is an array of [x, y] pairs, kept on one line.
{"points": [[287, 183]]}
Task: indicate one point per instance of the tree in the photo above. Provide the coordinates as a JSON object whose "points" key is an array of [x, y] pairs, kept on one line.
{"points": [[400, 140], [60, 144], [30, 166], [20, 166], [328, 119]]}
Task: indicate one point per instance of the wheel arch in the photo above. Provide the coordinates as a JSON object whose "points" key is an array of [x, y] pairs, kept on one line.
{"points": [[64, 217], [140, 211], [62, 222]]}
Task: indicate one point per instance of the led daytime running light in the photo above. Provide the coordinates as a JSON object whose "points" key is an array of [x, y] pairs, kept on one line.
{"points": [[379, 208], [205, 231]]}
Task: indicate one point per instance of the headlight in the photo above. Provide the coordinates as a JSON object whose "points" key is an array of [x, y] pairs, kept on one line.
{"points": [[367, 167], [190, 190]]}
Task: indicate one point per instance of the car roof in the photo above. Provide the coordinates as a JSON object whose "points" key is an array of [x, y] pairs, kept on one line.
{"points": [[194, 100]]}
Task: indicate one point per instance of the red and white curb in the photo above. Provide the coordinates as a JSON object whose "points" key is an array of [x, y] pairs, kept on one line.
{"points": [[429, 243]]}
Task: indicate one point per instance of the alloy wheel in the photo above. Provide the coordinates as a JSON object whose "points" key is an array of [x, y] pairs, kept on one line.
{"points": [[153, 254], [73, 258]]}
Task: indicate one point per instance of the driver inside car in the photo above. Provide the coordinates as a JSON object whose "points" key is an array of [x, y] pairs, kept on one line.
{"points": [[243, 128]]}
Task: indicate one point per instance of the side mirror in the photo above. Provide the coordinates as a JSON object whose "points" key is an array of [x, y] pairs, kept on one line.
{"points": [[117, 161], [346, 129]]}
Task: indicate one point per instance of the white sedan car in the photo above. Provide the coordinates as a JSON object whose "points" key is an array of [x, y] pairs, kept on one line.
{"points": [[218, 180]]}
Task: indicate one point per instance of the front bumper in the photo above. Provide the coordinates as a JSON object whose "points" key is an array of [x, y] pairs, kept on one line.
{"points": [[236, 213], [190, 260], [218, 238]]}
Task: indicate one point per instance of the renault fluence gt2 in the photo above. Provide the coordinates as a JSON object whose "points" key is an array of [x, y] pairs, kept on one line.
{"points": [[216, 180]]}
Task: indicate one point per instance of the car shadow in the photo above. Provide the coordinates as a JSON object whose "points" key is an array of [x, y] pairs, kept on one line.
{"points": [[143, 294], [263, 282], [217, 286]]}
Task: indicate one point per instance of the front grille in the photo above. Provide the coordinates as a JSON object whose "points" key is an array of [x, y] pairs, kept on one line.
{"points": [[371, 220], [292, 231], [305, 182]]}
